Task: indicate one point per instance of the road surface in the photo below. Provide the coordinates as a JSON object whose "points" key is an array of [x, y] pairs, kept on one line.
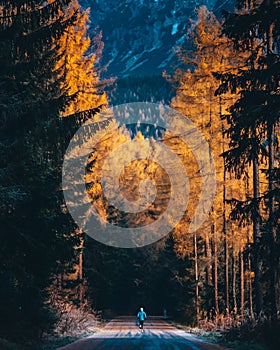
{"points": [[123, 333]]}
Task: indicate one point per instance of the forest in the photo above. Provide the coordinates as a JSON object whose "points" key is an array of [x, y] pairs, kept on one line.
{"points": [[55, 279]]}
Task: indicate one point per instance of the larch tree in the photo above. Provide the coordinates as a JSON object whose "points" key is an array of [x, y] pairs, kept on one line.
{"points": [[80, 61], [195, 97]]}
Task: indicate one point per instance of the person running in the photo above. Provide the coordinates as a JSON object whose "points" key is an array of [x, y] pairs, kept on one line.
{"points": [[141, 317]]}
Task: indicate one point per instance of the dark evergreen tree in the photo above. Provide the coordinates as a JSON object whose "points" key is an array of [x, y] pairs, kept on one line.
{"points": [[253, 121], [32, 225]]}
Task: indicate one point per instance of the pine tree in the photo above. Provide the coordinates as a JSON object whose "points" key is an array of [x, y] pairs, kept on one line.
{"points": [[253, 120], [33, 228]]}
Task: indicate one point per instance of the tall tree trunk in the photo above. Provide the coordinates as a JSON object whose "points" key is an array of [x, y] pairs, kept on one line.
{"points": [[208, 254], [80, 267], [196, 277], [215, 271], [271, 220], [226, 273], [241, 258], [234, 283], [250, 287], [225, 224], [271, 225], [209, 284], [257, 240], [81, 287]]}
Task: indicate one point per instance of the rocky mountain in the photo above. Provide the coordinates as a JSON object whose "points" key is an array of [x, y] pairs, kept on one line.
{"points": [[140, 35]]}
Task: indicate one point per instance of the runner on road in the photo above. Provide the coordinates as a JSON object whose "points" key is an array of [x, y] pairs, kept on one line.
{"points": [[141, 317]]}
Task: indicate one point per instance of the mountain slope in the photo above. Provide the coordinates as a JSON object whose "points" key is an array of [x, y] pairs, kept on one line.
{"points": [[140, 35]]}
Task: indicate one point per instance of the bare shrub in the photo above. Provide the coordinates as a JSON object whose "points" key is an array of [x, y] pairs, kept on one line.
{"points": [[76, 320], [73, 318]]}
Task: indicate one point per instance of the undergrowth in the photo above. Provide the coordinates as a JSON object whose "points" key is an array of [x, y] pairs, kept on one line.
{"points": [[243, 333]]}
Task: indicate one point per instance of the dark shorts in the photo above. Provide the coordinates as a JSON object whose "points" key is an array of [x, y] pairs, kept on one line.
{"points": [[141, 323]]}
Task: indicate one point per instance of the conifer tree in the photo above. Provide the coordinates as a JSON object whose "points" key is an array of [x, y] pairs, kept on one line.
{"points": [[78, 65], [79, 59], [253, 121], [195, 97], [35, 232]]}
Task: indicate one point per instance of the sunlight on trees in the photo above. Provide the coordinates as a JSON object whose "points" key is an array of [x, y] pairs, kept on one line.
{"points": [[79, 59]]}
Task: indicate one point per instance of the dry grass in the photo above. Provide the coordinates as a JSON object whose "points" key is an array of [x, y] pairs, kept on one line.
{"points": [[243, 332], [222, 322]]}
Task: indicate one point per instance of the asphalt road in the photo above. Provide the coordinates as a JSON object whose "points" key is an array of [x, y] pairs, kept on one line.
{"points": [[123, 333]]}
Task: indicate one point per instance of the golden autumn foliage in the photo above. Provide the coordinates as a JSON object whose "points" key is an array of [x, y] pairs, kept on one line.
{"points": [[131, 180], [196, 98], [79, 63], [80, 76]]}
